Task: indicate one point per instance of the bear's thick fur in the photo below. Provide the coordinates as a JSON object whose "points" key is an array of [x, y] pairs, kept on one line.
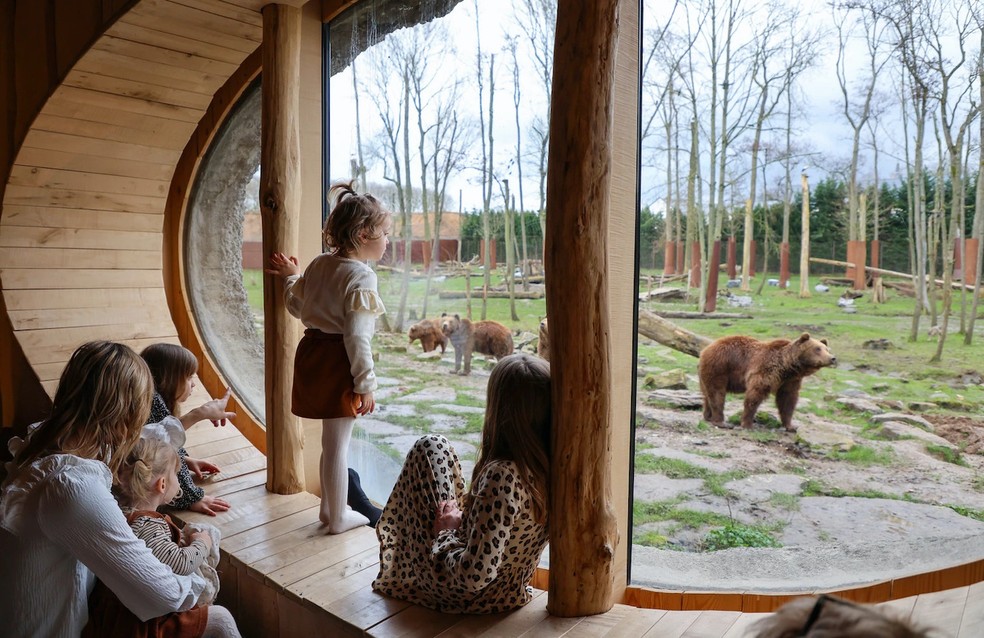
{"points": [[759, 368], [430, 335], [486, 337]]}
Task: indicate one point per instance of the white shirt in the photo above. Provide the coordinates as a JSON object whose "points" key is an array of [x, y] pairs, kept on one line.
{"points": [[337, 295], [60, 528]]}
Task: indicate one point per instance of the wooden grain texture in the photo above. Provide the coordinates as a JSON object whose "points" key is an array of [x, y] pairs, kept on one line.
{"points": [[279, 210], [583, 539]]}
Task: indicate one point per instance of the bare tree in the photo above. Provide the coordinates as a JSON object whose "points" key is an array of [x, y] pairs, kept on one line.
{"points": [[856, 105], [537, 20]]}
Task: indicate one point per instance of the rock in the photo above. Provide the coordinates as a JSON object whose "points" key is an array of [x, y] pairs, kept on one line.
{"points": [[733, 283], [683, 399], [897, 430], [876, 344], [821, 288], [911, 419], [772, 282], [443, 394], [760, 487], [857, 404], [675, 379], [433, 354], [880, 387], [740, 301], [656, 487], [715, 465], [850, 310], [920, 406], [826, 435], [845, 302]]}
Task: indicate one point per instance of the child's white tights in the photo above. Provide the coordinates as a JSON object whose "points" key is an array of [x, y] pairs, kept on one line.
{"points": [[220, 624], [335, 512]]}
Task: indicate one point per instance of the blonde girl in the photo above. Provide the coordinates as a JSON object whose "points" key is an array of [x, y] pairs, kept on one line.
{"points": [[60, 527], [149, 479], [481, 557], [174, 369], [337, 301]]}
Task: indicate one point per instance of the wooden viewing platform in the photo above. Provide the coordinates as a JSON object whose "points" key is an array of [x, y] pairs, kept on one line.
{"points": [[282, 576]]}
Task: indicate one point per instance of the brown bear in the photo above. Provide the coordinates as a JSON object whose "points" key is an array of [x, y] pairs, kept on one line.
{"points": [[430, 335], [759, 368], [486, 337]]}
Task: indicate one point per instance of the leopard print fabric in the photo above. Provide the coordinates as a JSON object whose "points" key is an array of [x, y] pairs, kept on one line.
{"points": [[482, 567]]}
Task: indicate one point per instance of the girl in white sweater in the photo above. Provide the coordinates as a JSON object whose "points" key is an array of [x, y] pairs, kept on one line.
{"points": [[60, 527], [337, 302]]}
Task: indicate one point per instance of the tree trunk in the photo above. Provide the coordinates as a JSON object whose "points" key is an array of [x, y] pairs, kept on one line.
{"points": [[280, 197], [805, 242], [583, 539], [670, 335]]}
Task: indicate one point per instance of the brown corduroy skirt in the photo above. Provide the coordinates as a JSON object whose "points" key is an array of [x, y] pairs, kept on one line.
{"points": [[108, 617], [323, 385]]}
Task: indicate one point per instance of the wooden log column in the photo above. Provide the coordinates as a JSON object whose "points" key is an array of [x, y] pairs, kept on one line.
{"points": [[280, 196], [583, 528]]}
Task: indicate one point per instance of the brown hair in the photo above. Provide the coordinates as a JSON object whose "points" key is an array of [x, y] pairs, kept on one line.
{"points": [[171, 366], [151, 458], [517, 424], [102, 401], [352, 216], [830, 617]]}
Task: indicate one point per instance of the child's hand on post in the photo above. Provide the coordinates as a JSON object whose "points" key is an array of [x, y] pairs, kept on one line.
{"points": [[281, 264], [364, 403]]}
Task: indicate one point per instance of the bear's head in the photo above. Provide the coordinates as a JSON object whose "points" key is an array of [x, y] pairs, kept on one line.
{"points": [[814, 354], [449, 324], [416, 331]]}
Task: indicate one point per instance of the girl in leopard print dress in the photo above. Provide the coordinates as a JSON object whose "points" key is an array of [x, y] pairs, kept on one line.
{"points": [[480, 556]]}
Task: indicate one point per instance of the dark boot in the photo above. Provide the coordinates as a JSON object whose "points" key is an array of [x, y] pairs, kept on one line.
{"points": [[358, 500]]}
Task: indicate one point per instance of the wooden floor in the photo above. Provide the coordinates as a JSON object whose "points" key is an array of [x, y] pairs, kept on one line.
{"points": [[283, 576]]}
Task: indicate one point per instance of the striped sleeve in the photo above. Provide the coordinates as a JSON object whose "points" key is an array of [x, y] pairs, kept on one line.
{"points": [[156, 533]]}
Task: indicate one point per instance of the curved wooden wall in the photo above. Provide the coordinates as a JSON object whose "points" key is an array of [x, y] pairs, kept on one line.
{"points": [[82, 223]]}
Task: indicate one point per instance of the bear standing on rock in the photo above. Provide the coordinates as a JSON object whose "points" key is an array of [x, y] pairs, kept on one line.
{"points": [[486, 337], [430, 335], [759, 368]]}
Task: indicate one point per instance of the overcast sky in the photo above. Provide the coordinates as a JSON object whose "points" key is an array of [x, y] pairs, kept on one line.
{"points": [[825, 130]]}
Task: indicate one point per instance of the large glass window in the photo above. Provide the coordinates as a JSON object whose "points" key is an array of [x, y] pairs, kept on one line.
{"points": [[441, 111]]}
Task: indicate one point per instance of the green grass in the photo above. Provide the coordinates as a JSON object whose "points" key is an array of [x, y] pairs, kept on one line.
{"points": [[783, 501], [947, 454], [654, 512], [812, 487], [737, 535], [863, 455]]}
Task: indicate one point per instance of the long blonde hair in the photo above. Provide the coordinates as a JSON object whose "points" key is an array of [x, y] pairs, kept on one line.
{"points": [[170, 365], [150, 458], [517, 424], [352, 216], [102, 401]]}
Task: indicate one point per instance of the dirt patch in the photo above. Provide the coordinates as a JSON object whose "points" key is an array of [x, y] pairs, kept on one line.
{"points": [[964, 432]]}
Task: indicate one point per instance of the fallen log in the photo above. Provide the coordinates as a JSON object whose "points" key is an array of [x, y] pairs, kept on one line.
{"points": [[891, 273], [671, 335], [683, 314], [491, 294]]}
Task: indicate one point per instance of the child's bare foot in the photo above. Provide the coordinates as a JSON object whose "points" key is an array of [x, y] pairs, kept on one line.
{"points": [[349, 519]]}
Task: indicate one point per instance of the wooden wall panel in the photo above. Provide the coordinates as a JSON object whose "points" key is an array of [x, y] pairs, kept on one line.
{"points": [[100, 98]]}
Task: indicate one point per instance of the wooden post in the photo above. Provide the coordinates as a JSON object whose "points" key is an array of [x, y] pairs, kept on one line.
{"points": [[583, 526], [856, 254], [970, 263], [805, 241], [695, 264], [280, 194], [732, 257], [875, 253], [746, 253], [713, 272], [680, 256], [784, 264], [669, 259]]}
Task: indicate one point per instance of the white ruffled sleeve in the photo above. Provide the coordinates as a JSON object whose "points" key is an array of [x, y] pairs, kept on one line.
{"points": [[362, 305], [364, 300]]}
